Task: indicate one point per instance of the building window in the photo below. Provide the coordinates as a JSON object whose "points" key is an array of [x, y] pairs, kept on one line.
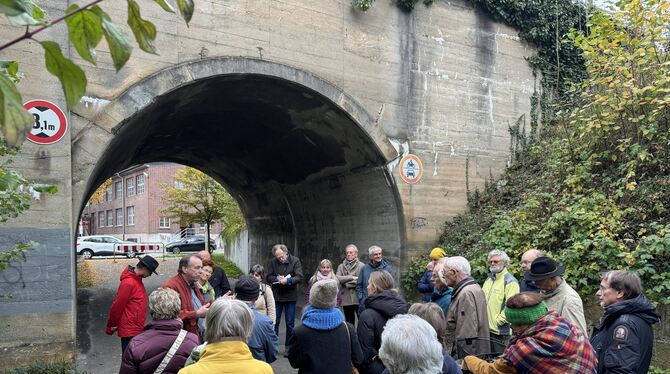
{"points": [[130, 213], [110, 218], [130, 186], [119, 217], [140, 184], [118, 188], [164, 223], [108, 193], [101, 219]]}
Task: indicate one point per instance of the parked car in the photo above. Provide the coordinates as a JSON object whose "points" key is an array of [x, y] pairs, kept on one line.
{"points": [[100, 245], [193, 244]]}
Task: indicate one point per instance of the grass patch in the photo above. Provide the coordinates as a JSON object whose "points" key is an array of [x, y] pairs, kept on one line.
{"points": [[232, 271], [47, 368], [87, 275]]}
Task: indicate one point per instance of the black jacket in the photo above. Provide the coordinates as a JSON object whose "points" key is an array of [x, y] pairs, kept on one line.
{"points": [[624, 338], [284, 293], [219, 281], [324, 351], [379, 308]]}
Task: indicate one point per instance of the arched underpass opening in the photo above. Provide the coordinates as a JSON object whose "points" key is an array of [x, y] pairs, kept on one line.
{"points": [[302, 170]]}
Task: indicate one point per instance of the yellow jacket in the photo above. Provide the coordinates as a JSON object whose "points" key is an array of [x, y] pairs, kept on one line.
{"points": [[227, 357], [497, 291]]}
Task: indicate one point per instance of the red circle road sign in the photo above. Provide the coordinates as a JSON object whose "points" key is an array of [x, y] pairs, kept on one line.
{"points": [[411, 169], [50, 123]]}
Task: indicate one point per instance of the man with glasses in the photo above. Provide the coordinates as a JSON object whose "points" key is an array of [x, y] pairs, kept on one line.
{"points": [[499, 286], [284, 274], [467, 316], [193, 306], [624, 338]]}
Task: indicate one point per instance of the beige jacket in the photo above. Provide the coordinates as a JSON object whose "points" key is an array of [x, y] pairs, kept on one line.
{"points": [[348, 282], [566, 302], [265, 304], [467, 317]]}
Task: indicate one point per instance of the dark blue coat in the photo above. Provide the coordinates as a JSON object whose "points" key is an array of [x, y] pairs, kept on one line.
{"points": [[624, 338], [425, 286]]}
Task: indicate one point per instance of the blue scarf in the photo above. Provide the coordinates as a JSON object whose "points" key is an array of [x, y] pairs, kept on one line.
{"points": [[322, 319]]}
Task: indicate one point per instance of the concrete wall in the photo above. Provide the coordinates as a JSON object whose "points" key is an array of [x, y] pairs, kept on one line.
{"points": [[443, 82]]}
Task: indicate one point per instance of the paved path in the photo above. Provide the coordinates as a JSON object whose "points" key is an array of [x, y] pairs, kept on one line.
{"points": [[99, 353]]}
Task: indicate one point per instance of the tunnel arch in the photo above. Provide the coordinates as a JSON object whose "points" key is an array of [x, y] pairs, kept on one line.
{"points": [[305, 161]]}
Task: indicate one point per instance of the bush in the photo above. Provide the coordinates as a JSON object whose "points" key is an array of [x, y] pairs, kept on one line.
{"points": [[232, 271], [411, 276]]}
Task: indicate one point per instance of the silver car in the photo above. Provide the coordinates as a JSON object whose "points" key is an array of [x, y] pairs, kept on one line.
{"points": [[100, 245]]}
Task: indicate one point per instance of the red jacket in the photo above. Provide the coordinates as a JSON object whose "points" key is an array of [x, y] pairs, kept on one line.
{"points": [[129, 309], [187, 313]]}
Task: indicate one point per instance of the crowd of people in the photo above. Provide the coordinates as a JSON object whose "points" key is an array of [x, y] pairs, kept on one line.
{"points": [[356, 321]]}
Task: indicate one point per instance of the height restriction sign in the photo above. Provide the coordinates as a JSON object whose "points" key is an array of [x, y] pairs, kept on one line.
{"points": [[411, 169], [49, 122]]}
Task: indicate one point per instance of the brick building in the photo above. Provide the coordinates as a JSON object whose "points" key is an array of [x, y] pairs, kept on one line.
{"points": [[130, 209]]}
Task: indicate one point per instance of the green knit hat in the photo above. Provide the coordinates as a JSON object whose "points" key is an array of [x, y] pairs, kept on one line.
{"points": [[525, 316]]}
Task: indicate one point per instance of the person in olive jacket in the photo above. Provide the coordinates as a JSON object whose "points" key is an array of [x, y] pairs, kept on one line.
{"points": [[383, 303], [624, 338], [284, 274], [149, 349]]}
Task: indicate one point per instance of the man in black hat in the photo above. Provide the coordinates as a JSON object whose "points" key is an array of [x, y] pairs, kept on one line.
{"points": [[129, 308], [559, 296], [263, 343]]}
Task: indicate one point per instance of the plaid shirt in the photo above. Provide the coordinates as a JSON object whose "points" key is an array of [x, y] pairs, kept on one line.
{"points": [[551, 345]]}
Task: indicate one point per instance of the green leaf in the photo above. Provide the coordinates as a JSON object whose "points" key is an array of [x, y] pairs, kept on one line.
{"points": [[165, 5], [33, 15], [144, 31], [47, 188], [12, 7], [85, 32], [15, 121], [71, 76], [186, 9], [11, 69], [119, 43]]}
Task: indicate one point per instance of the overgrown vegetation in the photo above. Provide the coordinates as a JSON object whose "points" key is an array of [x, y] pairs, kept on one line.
{"points": [[594, 189], [232, 271]]}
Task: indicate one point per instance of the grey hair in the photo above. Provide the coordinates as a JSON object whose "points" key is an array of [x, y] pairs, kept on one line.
{"points": [[410, 346], [185, 262], [459, 263], [500, 254], [351, 246], [324, 262], [283, 248], [228, 319], [624, 281], [164, 304], [374, 248], [257, 269], [434, 315]]}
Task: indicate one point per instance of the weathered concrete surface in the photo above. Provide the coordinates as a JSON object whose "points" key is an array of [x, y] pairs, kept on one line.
{"points": [[301, 109]]}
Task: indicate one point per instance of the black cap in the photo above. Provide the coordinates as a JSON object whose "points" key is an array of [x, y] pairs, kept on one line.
{"points": [[247, 288], [150, 263], [543, 268]]}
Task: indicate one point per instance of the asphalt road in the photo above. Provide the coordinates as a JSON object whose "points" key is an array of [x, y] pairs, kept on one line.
{"points": [[99, 353]]}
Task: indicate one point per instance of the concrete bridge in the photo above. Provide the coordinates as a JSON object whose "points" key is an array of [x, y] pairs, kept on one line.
{"points": [[301, 110]]}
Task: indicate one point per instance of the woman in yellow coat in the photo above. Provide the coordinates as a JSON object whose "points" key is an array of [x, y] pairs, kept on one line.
{"points": [[228, 326]]}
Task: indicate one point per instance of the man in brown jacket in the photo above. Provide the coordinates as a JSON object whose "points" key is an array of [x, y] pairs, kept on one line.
{"points": [[467, 316], [347, 275]]}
